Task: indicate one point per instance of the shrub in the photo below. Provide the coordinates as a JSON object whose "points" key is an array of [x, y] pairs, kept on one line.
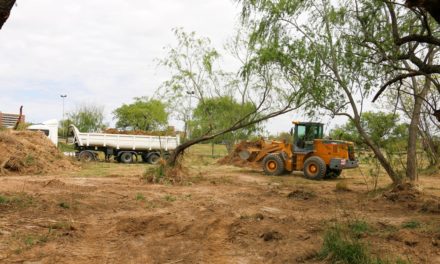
{"points": [[164, 174]]}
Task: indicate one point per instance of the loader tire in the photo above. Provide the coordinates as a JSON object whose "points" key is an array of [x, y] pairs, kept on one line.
{"points": [[273, 165], [315, 168]]}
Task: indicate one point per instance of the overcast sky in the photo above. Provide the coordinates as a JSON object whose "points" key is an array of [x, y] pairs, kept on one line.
{"points": [[100, 51]]}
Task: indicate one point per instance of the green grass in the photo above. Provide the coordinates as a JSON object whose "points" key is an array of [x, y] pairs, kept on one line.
{"points": [[20, 200], [206, 150], [359, 227], [29, 160], [140, 197], [342, 246], [63, 147], [411, 224], [32, 240], [170, 198]]}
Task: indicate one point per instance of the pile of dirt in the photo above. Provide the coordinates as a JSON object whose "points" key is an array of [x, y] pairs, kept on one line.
{"points": [[30, 152], [234, 159], [140, 132], [410, 195]]}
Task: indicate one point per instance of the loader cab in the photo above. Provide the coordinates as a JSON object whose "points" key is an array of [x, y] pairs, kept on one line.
{"points": [[304, 133]]}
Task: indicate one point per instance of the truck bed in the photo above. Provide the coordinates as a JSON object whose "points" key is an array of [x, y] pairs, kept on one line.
{"points": [[125, 142]]}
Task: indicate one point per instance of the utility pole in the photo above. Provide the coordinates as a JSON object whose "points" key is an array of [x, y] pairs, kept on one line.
{"points": [[63, 96], [188, 132]]}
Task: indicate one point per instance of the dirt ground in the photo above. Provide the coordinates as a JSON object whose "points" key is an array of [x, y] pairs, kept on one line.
{"points": [[106, 213]]}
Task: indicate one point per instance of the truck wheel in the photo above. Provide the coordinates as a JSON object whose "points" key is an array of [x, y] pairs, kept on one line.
{"points": [[314, 168], [126, 157], [273, 165], [154, 158], [86, 156], [333, 174]]}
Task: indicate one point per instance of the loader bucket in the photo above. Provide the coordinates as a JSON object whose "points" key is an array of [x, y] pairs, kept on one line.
{"points": [[244, 155]]}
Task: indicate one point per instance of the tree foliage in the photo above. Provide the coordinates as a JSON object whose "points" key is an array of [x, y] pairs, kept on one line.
{"points": [[144, 114], [195, 72], [383, 128], [87, 118], [221, 112], [339, 51]]}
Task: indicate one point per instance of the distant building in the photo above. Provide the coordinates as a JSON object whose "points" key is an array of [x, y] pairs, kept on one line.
{"points": [[9, 120]]}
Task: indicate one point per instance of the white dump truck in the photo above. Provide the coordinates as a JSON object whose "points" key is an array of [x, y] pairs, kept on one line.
{"points": [[122, 147]]}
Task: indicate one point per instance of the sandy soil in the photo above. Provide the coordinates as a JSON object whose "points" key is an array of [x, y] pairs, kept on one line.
{"points": [[222, 214]]}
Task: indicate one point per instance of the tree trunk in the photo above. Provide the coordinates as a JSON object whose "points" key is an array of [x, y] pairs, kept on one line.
{"points": [[413, 131], [378, 153], [173, 160], [5, 10]]}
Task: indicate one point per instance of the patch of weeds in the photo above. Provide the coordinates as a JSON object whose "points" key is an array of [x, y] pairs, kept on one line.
{"points": [[20, 200], [64, 205], [187, 197], [359, 228], [140, 197], [170, 198], [413, 224], [29, 160], [32, 240], [342, 245], [4, 199], [164, 174]]}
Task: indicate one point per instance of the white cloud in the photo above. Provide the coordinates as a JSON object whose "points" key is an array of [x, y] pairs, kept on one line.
{"points": [[101, 50]]}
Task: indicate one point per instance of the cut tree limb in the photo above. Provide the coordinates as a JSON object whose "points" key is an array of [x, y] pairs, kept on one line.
{"points": [[430, 6], [5, 10]]}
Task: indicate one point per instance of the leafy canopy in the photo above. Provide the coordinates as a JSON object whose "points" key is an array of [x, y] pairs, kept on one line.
{"points": [[383, 128], [87, 118], [218, 113], [144, 114]]}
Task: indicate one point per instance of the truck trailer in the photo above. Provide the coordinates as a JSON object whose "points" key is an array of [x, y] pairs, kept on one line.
{"points": [[123, 148]]}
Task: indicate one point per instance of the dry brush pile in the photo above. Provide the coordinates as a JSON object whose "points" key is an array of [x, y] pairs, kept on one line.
{"points": [[234, 159], [28, 152]]}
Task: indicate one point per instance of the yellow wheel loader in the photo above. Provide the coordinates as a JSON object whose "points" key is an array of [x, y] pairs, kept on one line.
{"points": [[319, 158]]}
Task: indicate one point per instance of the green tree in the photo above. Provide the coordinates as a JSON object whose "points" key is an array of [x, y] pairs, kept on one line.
{"points": [[220, 112], [383, 128], [337, 52], [87, 118], [144, 114], [195, 72]]}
